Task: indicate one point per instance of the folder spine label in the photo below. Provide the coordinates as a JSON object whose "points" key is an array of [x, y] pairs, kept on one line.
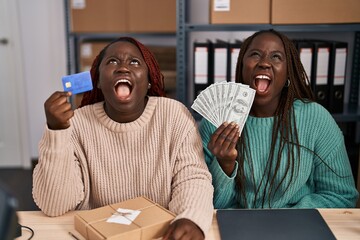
{"points": [[201, 65], [340, 66]]}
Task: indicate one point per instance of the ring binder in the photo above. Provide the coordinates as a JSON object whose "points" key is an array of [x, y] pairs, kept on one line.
{"points": [[234, 50], [337, 76], [203, 69]]}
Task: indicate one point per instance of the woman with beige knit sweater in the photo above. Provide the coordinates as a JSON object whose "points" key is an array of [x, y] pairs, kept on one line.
{"points": [[126, 140]]}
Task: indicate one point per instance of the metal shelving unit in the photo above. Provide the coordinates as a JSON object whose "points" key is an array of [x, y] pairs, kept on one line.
{"points": [[351, 114], [74, 40], [184, 29]]}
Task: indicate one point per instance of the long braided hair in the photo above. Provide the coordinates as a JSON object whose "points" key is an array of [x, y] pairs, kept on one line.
{"points": [[156, 78], [284, 132]]}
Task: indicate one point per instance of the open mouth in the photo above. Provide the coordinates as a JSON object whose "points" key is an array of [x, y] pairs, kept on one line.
{"points": [[262, 83], [123, 88]]}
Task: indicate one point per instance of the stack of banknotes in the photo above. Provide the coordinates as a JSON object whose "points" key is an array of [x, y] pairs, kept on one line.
{"points": [[225, 102]]}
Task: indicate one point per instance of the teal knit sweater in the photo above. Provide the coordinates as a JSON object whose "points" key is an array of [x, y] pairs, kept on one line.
{"points": [[315, 184]]}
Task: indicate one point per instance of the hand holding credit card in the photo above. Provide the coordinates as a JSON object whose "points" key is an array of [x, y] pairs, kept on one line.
{"points": [[77, 83]]}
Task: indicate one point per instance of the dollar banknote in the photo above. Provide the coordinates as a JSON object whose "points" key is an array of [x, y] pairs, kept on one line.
{"points": [[225, 102]]}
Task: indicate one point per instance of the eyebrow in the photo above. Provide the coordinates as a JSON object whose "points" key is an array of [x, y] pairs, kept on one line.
{"points": [[127, 56], [275, 51]]}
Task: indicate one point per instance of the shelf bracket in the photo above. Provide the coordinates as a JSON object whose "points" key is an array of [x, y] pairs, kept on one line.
{"points": [[181, 81]]}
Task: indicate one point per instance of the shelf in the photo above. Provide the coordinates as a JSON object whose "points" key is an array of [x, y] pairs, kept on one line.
{"points": [[350, 114], [102, 36], [74, 39], [281, 28], [184, 29]]}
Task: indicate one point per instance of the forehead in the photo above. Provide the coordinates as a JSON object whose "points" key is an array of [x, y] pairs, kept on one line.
{"points": [[267, 40], [123, 47]]}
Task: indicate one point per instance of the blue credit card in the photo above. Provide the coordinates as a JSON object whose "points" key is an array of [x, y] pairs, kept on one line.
{"points": [[77, 83]]}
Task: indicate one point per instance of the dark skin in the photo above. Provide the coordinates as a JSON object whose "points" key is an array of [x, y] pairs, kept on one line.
{"points": [[264, 70], [58, 111], [122, 60]]}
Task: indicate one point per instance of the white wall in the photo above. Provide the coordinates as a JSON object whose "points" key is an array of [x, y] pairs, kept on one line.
{"points": [[43, 40]]}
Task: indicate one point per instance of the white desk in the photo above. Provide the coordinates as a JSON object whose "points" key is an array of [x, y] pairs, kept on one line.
{"points": [[344, 223]]}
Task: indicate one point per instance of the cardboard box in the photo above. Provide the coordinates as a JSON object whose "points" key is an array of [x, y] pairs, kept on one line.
{"points": [[152, 222], [113, 16], [88, 51], [98, 16], [240, 12], [166, 56], [152, 16], [315, 11]]}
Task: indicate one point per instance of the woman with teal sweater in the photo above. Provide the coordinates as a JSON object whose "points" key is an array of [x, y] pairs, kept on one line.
{"points": [[291, 153]]}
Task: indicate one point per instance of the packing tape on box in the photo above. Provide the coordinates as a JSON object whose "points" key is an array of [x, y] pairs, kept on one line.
{"points": [[124, 216], [128, 214]]}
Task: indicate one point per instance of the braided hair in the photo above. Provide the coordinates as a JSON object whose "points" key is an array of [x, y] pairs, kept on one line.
{"points": [[284, 130], [156, 78]]}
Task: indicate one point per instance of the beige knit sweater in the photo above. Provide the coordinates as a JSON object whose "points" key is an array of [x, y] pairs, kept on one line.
{"points": [[98, 161]]}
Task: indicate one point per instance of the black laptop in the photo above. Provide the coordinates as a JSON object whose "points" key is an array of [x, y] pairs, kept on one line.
{"points": [[272, 224], [9, 228]]}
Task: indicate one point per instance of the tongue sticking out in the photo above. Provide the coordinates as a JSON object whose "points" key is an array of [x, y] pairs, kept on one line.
{"points": [[262, 84], [123, 91]]}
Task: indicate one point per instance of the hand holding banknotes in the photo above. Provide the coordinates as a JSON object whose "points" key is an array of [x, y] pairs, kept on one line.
{"points": [[223, 145], [226, 105]]}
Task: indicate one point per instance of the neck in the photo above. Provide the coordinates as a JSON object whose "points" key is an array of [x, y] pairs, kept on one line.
{"points": [[263, 107], [262, 111], [125, 115]]}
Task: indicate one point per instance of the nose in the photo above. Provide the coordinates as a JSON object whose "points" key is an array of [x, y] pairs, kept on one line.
{"points": [[122, 68], [264, 62]]}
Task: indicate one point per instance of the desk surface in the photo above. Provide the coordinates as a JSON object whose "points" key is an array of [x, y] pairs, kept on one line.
{"points": [[344, 223]]}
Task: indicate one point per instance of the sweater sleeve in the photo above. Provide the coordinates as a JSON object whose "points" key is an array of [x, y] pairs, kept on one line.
{"points": [[57, 178], [332, 178], [191, 182], [224, 186], [334, 183]]}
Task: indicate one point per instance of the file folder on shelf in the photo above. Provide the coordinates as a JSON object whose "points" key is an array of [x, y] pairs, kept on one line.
{"points": [[337, 76], [220, 61], [306, 50], [203, 69], [234, 50], [320, 72]]}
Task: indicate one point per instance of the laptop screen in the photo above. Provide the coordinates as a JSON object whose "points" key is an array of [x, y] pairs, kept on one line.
{"points": [[8, 217], [272, 224]]}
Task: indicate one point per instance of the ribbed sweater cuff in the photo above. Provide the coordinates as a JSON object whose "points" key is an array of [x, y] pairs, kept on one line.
{"points": [[200, 216], [224, 186]]}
